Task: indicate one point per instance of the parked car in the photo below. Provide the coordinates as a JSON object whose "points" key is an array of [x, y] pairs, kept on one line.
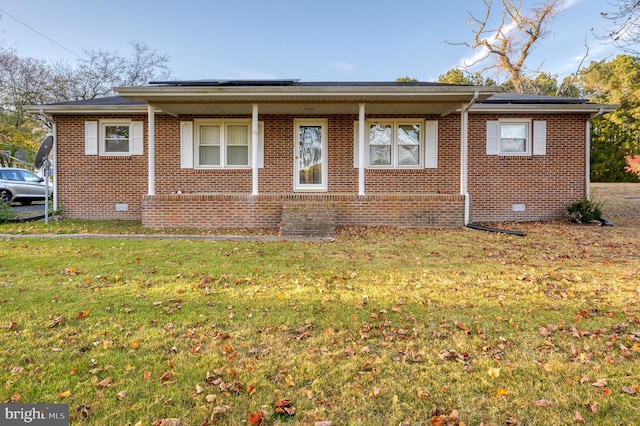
{"points": [[21, 186]]}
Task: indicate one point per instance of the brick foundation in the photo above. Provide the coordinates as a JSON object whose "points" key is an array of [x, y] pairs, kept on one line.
{"points": [[316, 212]]}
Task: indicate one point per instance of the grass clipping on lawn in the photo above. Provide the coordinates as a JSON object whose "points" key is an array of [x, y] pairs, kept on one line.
{"points": [[452, 327]]}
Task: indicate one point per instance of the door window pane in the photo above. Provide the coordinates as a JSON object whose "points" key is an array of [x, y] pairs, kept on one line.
{"points": [[310, 151]]}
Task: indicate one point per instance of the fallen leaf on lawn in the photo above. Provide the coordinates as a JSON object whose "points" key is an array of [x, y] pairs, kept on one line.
{"points": [[607, 391], [578, 417], [284, 407], [168, 422], [600, 383], [63, 395], [220, 409], [376, 392], [104, 383], [544, 331], [422, 394], [17, 370], [256, 419], [121, 395], [541, 403], [57, 321], [10, 326], [95, 371], [82, 314], [593, 407], [493, 372], [629, 389], [135, 344], [251, 389], [167, 376], [289, 380], [199, 389], [147, 375], [211, 397], [502, 392], [324, 423]]}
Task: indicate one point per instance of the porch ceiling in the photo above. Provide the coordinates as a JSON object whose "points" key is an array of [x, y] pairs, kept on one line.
{"points": [[311, 108]]}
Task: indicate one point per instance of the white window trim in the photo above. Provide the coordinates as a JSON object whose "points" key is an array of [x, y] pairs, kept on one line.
{"points": [[395, 122], [102, 150], [528, 140], [223, 123]]}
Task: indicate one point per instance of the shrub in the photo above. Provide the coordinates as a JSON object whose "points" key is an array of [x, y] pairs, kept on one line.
{"points": [[585, 210], [6, 212]]}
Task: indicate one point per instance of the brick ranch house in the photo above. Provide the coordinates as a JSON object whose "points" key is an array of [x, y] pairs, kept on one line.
{"points": [[306, 157]]}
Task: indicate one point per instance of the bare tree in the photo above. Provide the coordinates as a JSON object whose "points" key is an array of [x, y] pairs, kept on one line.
{"points": [[509, 45], [98, 74], [626, 20]]}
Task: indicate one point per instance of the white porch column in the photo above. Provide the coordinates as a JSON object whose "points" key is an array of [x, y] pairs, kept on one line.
{"points": [[254, 149], [361, 151], [151, 145]]}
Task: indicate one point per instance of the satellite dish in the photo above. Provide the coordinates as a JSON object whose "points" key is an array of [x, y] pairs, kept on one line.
{"points": [[43, 151]]}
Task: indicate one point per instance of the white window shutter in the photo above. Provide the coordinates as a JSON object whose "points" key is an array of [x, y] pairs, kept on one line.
{"points": [[493, 137], [431, 144], [137, 138], [186, 144], [91, 138], [539, 138], [356, 144], [261, 144]]}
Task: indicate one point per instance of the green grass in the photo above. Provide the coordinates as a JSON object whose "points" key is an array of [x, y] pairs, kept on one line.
{"points": [[376, 327]]}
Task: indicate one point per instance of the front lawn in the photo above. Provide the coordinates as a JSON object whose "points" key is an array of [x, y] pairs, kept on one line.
{"points": [[379, 327]]}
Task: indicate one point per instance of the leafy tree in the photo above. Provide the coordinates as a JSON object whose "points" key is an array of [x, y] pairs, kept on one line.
{"points": [[509, 46], [633, 164], [615, 135], [458, 76], [406, 80]]}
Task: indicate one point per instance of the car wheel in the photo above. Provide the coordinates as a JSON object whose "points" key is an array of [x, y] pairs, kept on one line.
{"points": [[5, 196]]}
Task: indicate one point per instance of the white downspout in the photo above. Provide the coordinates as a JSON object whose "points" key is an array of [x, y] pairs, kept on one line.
{"points": [[254, 149], [464, 156], [587, 160], [54, 130], [151, 145], [361, 159]]}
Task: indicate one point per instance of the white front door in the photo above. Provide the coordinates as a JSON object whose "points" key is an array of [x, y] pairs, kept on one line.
{"points": [[310, 164]]}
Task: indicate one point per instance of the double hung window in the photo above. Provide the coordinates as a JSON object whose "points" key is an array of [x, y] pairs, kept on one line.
{"points": [[222, 144], [395, 144]]}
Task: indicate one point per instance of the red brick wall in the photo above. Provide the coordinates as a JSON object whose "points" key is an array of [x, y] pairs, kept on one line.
{"points": [[545, 184], [90, 186]]}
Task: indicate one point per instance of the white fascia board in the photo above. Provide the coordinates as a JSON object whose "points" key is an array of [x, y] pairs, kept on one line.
{"points": [[79, 110], [543, 109]]}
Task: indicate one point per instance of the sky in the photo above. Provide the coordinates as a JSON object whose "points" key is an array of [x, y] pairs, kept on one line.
{"points": [[310, 40]]}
